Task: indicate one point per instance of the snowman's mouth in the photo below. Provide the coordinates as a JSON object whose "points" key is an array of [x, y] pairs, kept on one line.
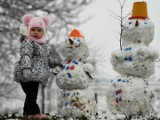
{"points": [[75, 46], [78, 45]]}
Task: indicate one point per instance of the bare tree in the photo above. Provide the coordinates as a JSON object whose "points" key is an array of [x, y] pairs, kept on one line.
{"points": [[63, 16], [121, 18]]}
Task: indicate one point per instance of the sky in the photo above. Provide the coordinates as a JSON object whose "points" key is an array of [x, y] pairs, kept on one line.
{"points": [[101, 32]]}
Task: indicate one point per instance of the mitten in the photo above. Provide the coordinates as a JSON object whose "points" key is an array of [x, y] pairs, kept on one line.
{"points": [[27, 73], [56, 70], [58, 63]]}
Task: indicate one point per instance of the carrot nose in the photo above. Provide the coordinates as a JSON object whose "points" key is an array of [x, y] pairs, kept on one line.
{"points": [[137, 23]]}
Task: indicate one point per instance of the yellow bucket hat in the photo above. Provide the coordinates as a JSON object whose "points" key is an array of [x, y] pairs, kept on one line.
{"points": [[139, 10]]}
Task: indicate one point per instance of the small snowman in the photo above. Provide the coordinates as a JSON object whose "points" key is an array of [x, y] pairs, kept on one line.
{"points": [[129, 93], [76, 100]]}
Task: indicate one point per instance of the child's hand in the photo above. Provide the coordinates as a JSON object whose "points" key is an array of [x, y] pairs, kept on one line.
{"points": [[59, 64], [57, 69], [27, 73]]}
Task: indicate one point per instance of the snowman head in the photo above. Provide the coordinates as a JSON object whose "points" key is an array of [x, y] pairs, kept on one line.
{"points": [[138, 29], [75, 47]]}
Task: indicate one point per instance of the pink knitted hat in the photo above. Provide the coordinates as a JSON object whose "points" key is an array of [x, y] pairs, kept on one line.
{"points": [[32, 21]]}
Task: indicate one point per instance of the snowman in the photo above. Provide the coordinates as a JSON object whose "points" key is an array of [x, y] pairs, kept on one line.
{"points": [[75, 99], [129, 93]]}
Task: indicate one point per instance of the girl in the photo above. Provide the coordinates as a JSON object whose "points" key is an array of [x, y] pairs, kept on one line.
{"points": [[34, 65]]}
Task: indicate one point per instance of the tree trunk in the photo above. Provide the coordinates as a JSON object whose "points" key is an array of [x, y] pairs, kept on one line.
{"points": [[48, 97]]}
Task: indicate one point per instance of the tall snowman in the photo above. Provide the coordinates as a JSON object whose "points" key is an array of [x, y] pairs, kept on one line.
{"points": [[75, 99], [129, 93]]}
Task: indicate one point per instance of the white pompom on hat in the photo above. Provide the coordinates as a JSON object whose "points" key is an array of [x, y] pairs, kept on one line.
{"points": [[23, 30]]}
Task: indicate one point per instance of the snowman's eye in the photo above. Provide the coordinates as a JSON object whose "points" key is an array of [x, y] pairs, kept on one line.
{"points": [[130, 23], [78, 40], [145, 23]]}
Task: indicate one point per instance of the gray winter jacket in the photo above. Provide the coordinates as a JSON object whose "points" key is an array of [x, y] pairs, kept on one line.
{"points": [[37, 58]]}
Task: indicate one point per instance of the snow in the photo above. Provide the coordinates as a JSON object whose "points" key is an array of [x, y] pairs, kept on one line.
{"points": [[100, 32]]}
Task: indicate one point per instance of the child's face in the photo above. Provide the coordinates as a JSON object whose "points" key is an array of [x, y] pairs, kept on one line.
{"points": [[36, 32]]}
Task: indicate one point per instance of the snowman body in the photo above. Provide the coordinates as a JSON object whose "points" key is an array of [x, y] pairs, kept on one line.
{"points": [[129, 93], [135, 59], [73, 76], [77, 103], [75, 99]]}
